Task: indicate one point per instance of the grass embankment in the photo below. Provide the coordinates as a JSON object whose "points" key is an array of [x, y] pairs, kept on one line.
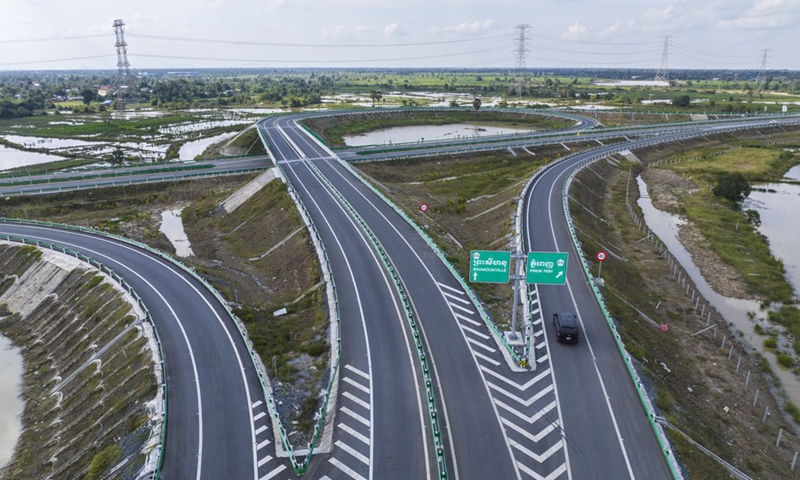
{"points": [[690, 377], [472, 204], [92, 415], [232, 254], [332, 130], [246, 143]]}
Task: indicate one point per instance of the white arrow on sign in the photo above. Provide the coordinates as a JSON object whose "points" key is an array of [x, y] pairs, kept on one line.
{"points": [[558, 275], [474, 276]]}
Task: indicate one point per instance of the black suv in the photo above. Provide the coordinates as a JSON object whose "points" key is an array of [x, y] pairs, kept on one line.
{"points": [[566, 325]]}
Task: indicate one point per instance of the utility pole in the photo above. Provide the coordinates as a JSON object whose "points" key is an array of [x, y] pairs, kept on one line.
{"points": [[662, 75], [521, 51], [123, 66]]}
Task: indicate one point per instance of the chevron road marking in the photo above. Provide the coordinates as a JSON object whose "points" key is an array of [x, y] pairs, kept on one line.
{"points": [[521, 387], [256, 404], [352, 452], [475, 332], [458, 299], [356, 384], [262, 444], [458, 291], [355, 416], [462, 308], [486, 359], [542, 358], [356, 399], [467, 319], [357, 371], [259, 416], [534, 438], [479, 344], [555, 474], [272, 474], [261, 429], [264, 460], [528, 402], [539, 458], [531, 419], [344, 468], [354, 433]]}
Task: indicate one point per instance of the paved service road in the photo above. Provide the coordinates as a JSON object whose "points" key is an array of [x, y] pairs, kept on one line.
{"points": [[214, 395]]}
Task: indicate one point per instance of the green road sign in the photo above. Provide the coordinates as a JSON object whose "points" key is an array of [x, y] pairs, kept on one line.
{"points": [[546, 268], [487, 266]]}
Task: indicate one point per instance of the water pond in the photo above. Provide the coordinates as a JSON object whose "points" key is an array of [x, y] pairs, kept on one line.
{"points": [[419, 133], [172, 227]]}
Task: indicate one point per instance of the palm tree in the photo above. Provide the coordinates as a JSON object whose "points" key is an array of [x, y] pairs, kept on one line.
{"points": [[376, 96]]}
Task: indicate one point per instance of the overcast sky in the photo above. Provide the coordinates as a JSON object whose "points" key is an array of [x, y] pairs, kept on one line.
{"points": [[724, 34]]}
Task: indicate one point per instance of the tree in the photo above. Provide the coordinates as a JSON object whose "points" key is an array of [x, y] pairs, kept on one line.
{"points": [[376, 96], [88, 95], [476, 104], [682, 101], [732, 186], [454, 103]]}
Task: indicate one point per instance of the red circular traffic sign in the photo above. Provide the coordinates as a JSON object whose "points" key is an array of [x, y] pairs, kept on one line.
{"points": [[601, 256], [423, 207]]}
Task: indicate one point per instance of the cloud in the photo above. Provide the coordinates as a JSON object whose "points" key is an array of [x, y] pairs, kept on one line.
{"points": [[765, 14], [576, 31], [344, 31], [394, 30], [477, 27]]}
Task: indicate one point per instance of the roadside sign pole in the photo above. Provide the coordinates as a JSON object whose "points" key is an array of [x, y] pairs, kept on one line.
{"points": [[516, 278], [423, 208]]}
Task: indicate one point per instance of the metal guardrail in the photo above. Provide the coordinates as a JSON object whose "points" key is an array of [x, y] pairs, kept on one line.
{"points": [[333, 300], [60, 189], [122, 283], [435, 248], [436, 431], [112, 174]]}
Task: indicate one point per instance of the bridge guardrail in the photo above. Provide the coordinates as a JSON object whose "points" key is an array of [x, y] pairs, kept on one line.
{"points": [[162, 379]]}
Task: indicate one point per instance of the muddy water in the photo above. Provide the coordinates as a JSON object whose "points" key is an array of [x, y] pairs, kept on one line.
{"points": [[418, 133], [779, 208], [172, 227], [190, 150], [733, 310], [12, 158], [10, 402]]}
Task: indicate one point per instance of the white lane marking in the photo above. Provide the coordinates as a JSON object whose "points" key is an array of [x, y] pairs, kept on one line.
{"points": [[527, 402], [532, 437], [96, 254], [481, 345], [357, 400], [260, 416], [356, 384], [256, 404], [411, 353], [272, 474], [264, 460], [467, 319], [355, 416], [457, 299], [459, 307], [354, 433], [542, 358], [347, 448], [358, 300], [486, 359], [344, 468], [357, 371], [539, 458], [474, 332], [261, 429], [553, 475], [521, 387], [262, 444], [536, 416], [457, 290]]}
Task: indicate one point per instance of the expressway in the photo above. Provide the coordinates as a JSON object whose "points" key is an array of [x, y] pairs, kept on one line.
{"points": [[215, 399], [497, 421]]}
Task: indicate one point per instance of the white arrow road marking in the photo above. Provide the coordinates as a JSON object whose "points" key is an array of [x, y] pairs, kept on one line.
{"points": [[534, 438], [531, 419], [539, 458], [521, 387], [526, 403], [556, 473]]}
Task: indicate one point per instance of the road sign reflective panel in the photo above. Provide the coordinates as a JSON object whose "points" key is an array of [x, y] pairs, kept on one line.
{"points": [[424, 207], [546, 268], [601, 256], [487, 266]]}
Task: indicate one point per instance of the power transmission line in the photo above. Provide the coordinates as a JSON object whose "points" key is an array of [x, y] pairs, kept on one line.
{"points": [[309, 45], [58, 39], [55, 60]]}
